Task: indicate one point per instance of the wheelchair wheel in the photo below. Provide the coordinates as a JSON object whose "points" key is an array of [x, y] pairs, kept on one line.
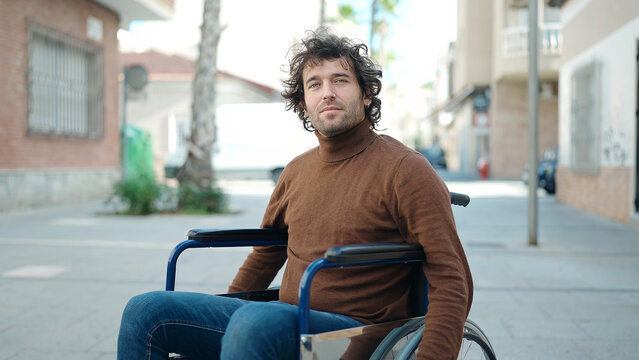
{"points": [[393, 341], [473, 333], [475, 344], [473, 347]]}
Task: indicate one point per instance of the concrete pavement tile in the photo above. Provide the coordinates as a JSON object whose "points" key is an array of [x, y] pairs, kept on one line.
{"points": [[493, 273], [614, 272], [27, 291], [540, 328], [591, 305], [85, 334], [42, 329], [535, 349], [613, 349], [612, 329], [105, 356], [488, 309], [56, 338], [10, 315], [537, 271], [108, 345], [492, 326], [7, 355], [35, 354], [491, 301]]}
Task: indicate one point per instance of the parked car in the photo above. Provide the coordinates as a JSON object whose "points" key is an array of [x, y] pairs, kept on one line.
{"points": [[545, 171], [435, 155]]}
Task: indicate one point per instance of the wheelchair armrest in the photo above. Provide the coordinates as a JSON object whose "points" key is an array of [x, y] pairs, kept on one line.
{"points": [[270, 294], [459, 199], [374, 252], [355, 255], [199, 238], [257, 235]]}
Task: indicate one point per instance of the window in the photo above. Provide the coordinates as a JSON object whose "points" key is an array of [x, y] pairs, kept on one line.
{"points": [[585, 119], [65, 85], [516, 13], [516, 16]]}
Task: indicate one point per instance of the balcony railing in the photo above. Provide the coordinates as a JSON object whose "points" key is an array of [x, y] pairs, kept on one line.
{"points": [[515, 40]]}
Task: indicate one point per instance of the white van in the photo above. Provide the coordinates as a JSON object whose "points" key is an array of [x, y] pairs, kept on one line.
{"points": [[254, 139]]}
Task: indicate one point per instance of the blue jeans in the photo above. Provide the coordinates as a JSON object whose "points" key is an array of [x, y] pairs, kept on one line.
{"points": [[202, 326]]}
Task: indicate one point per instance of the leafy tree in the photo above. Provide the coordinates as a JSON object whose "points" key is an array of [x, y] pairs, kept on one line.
{"points": [[381, 10]]}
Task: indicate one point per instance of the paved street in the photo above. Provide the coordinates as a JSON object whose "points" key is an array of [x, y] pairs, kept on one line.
{"points": [[67, 272]]}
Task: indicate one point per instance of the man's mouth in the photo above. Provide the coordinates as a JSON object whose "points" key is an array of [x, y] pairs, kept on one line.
{"points": [[330, 108]]}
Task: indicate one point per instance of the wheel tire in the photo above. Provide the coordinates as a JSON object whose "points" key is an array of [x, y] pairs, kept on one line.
{"points": [[475, 344]]}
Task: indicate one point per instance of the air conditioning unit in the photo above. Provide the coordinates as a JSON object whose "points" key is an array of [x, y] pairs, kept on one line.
{"points": [[518, 3]]}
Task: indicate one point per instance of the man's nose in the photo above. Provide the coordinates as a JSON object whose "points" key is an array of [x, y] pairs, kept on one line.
{"points": [[329, 93]]}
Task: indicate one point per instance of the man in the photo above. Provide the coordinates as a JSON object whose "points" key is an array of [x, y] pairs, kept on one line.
{"points": [[356, 187]]}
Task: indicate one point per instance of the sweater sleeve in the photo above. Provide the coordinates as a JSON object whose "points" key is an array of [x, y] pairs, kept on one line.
{"points": [[425, 216], [262, 264]]}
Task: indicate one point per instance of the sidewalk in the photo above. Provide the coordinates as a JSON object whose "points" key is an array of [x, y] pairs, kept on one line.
{"points": [[574, 296], [66, 273]]}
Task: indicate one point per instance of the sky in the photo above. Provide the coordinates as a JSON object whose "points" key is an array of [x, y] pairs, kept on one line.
{"points": [[259, 33]]}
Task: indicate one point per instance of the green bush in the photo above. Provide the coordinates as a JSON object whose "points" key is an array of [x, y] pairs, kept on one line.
{"points": [[192, 199], [139, 193]]}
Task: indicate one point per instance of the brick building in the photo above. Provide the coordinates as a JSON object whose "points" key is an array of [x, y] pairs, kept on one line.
{"points": [[59, 97]]}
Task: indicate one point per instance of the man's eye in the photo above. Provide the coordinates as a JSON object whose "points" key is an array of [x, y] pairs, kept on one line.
{"points": [[314, 85]]}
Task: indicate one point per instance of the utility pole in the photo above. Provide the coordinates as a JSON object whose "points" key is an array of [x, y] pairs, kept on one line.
{"points": [[533, 113]]}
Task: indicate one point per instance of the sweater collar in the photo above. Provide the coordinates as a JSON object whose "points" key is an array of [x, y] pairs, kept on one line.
{"points": [[346, 145]]}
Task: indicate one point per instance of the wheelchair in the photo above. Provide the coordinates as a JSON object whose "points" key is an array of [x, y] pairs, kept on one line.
{"points": [[397, 339]]}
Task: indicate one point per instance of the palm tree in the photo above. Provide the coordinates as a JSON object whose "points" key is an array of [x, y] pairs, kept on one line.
{"points": [[381, 10]]}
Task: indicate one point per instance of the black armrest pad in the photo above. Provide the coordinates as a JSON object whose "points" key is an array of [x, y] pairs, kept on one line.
{"points": [[459, 199], [213, 235], [270, 294], [374, 252]]}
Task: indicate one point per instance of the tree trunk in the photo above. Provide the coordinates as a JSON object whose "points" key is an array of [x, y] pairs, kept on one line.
{"points": [[198, 167]]}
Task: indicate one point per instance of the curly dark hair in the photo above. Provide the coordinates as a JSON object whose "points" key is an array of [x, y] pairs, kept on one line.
{"points": [[320, 45]]}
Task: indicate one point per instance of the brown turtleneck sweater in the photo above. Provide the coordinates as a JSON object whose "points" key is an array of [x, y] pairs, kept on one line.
{"points": [[361, 187]]}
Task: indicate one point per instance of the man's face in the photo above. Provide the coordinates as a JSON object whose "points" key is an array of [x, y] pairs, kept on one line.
{"points": [[333, 100]]}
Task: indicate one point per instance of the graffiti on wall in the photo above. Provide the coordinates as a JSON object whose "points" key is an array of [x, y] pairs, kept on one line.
{"points": [[614, 149]]}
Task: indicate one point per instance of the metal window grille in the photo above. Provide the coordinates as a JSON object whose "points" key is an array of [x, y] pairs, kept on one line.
{"points": [[65, 85], [585, 118]]}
